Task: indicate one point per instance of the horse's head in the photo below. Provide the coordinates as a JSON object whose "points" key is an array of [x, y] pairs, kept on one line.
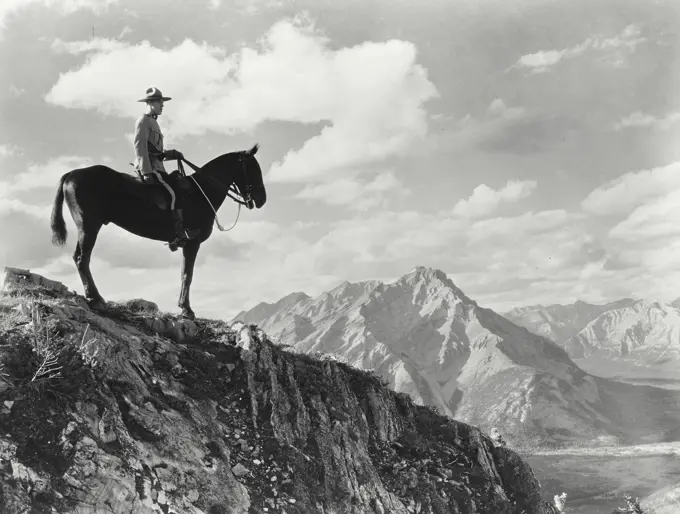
{"points": [[250, 182], [239, 169]]}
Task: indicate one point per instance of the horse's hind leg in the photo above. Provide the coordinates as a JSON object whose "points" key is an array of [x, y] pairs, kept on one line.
{"points": [[87, 237], [190, 252]]}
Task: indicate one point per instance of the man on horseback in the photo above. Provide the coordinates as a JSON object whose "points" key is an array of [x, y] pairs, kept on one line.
{"points": [[148, 145]]}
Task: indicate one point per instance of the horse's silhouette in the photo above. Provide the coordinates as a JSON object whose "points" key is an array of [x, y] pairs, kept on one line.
{"points": [[98, 195]]}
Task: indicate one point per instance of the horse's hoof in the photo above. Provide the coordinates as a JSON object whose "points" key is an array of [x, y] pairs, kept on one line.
{"points": [[96, 304], [188, 314]]}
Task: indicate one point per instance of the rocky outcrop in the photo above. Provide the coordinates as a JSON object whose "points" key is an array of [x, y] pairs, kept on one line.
{"points": [[116, 412], [22, 279]]}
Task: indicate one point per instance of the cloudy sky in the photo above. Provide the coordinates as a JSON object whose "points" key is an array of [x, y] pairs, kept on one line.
{"points": [[528, 148]]}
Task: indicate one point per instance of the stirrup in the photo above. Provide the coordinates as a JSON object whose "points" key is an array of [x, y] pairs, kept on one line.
{"points": [[176, 243], [180, 241]]}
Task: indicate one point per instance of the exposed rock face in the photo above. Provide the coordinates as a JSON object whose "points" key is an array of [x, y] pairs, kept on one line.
{"points": [[102, 413], [22, 279]]}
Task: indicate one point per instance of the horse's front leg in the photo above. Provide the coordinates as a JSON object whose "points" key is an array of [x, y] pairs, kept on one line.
{"points": [[190, 252]]}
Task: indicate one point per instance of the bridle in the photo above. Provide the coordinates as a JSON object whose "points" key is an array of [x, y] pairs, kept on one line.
{"points": [[245, 198]]}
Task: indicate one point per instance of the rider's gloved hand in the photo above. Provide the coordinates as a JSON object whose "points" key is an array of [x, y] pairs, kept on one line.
{"points": [[173, 154]]}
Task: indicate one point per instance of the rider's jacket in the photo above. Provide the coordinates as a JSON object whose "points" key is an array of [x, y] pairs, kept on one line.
{"points": [[148, 143]]}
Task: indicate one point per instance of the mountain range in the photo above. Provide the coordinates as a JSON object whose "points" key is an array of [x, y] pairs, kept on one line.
{"points": [[634, 340], [561, 322], [426, 338], [644, 330]]}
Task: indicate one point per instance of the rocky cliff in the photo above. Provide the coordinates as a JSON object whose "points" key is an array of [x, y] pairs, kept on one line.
{"points": [[135, 411]]}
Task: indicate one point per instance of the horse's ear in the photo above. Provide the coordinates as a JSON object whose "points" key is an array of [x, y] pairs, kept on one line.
{"points": [[254, 149]]}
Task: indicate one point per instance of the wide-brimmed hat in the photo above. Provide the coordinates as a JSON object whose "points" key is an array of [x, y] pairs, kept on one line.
{"points": [[153, 93]]}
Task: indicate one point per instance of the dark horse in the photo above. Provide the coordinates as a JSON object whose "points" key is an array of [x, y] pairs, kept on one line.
{"points": [[98, 195]]}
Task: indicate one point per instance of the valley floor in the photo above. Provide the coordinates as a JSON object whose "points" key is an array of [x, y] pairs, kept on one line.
{"points": [[595, 479], [664, 375], [642, 450]]}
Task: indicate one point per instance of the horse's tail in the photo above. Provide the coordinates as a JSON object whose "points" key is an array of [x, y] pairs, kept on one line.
{"points": [[57, 220]]}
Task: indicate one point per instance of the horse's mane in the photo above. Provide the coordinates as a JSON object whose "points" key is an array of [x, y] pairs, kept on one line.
{"points": [[232, 155]]}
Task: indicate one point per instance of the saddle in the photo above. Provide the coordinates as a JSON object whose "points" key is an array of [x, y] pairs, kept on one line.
{"points": [[151, 190]]}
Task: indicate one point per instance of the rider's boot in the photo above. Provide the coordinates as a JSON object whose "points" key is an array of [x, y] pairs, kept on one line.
{"points": [[182, 235]]}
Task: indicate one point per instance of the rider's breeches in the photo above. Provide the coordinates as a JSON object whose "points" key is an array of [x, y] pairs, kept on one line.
{"points": [[161, 180]]}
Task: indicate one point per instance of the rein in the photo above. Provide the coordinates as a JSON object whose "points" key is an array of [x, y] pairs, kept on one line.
{"points": [[246, 200]]}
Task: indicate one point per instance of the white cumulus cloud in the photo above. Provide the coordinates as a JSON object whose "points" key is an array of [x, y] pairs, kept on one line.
{"points": [[538, 62], [651, 220], [8, 8], [638, 119], [36, 185], [632, 189], [8, 150], [370, 96], [354, 193], [46, 174], [485, 200], [25, 235], [498, 108]]}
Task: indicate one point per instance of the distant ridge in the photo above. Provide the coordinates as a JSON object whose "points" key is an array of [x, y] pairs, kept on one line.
{"points": [[642, 331], [560, 322]]}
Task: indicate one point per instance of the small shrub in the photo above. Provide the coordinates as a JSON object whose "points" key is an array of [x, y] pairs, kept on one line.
{"points": [[10, 320], [3, 375], [43, 339], [85, 350], [632, 506], [560, 502], [48, 355]]}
